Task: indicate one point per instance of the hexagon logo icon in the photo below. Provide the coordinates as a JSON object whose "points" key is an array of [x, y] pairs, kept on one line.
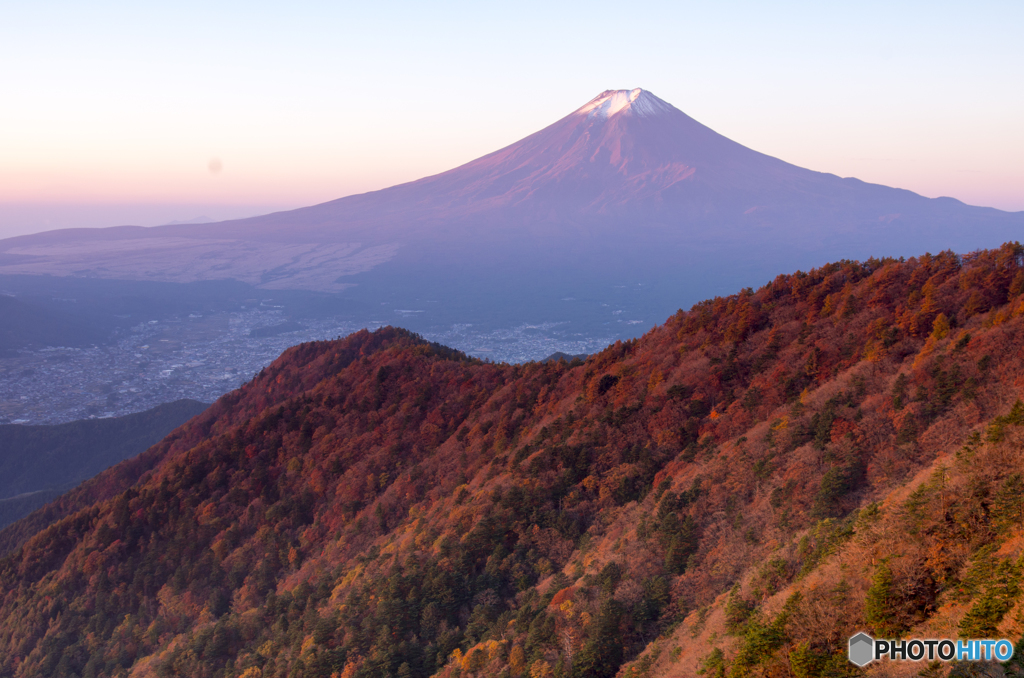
{"points": [[862, 649]]}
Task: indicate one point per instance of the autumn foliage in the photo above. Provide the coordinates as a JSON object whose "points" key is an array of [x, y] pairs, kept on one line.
{"points": [[736, 493]]}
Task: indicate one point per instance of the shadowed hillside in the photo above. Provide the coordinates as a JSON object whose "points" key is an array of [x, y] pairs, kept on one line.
{"points": [[735, 493], [37, 463]]}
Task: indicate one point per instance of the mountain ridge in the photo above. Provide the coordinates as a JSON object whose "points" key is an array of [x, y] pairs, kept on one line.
{"points": [[731, 491]]}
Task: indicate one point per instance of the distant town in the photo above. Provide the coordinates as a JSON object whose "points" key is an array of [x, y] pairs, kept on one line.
{"points": [[203, 357]]}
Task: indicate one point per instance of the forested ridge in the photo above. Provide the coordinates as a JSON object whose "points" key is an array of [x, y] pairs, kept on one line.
{"points": [[735, 493]]}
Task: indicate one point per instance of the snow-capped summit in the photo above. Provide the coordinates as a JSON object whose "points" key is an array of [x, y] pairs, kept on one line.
{"points": [[625, 189], [613, 101]]}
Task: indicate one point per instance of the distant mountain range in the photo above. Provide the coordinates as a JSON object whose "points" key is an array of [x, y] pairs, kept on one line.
{"points": [[193, 220], [625, 191]]}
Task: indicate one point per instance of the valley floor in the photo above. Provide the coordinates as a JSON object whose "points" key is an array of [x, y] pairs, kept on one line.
{"points": [[202, 357]]}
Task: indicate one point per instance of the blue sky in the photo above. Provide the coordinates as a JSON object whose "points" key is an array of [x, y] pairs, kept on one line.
{"points": [[123, 105]]}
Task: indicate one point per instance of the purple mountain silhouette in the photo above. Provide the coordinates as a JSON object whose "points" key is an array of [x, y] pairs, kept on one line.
{"points": [[626, 189]]}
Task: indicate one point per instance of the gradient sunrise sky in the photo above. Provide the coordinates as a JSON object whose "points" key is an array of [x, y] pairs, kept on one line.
{"points": [[117, 112]]}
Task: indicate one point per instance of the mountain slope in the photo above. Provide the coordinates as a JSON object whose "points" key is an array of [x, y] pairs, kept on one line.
{"points": [[37, 463], [625, 190], [726, 492]]}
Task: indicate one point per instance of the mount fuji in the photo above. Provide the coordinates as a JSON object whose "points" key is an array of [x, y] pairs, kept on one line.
{"points": [[626, 192]]}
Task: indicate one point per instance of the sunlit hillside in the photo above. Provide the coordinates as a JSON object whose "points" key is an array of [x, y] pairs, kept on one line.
{"points": [[733, 494]]}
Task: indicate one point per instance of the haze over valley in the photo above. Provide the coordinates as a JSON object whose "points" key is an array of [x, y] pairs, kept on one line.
{"points": [[203, 354]]}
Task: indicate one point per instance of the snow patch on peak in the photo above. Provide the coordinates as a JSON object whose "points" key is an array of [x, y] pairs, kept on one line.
{"points": [[610, 102], [615, 101]]}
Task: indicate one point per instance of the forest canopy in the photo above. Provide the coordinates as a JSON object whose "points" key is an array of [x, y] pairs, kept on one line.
{"points": [[736, 492]]}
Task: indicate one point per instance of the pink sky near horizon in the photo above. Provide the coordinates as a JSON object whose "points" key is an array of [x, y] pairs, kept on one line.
{"points": [[115, 111], [128, 187]]}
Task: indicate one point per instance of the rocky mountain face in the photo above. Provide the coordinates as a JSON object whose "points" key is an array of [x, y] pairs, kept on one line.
{"points": [[735, 493], [625, 190]]}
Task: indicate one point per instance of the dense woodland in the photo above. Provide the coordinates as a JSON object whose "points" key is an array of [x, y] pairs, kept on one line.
{"points": [[733, 494]]}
